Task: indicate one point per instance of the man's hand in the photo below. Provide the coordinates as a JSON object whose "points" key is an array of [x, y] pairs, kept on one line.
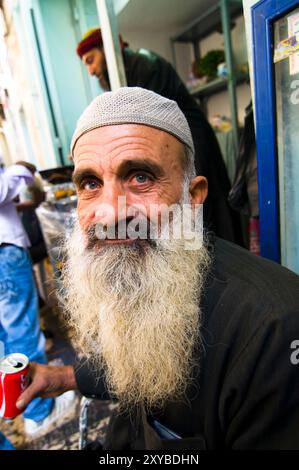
{"points": [[29, 166], [47, 381]]}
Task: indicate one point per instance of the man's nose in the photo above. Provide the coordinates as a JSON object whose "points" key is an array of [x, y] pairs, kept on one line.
{"points": [[90, 69], [112, 206]]}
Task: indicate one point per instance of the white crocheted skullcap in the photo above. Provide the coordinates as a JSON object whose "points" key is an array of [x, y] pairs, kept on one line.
{"points": [[133, 105]]}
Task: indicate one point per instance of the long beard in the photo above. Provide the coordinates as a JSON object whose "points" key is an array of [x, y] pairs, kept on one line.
{"points": [[134, 310]]}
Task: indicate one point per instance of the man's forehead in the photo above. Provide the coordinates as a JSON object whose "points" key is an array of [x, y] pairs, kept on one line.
{"points": [[129, 133], [110, 146], [118, 144]]}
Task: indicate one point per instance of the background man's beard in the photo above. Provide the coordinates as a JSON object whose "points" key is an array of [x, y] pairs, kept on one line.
{"points": [[136, 314]]}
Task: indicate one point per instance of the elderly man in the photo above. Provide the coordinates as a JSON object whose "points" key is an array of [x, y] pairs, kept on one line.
{"points": [[194, 340], [147, 69]]}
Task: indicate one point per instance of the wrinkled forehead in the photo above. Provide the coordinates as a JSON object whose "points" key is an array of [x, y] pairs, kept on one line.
{"points": [[135, 138]]}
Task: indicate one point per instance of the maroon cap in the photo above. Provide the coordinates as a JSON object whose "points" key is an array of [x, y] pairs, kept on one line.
{"points": [[92, 39]]}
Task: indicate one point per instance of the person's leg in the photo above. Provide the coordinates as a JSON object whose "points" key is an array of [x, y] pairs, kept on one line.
{"points": [[19, 317], [2, 339], [5, 444]]}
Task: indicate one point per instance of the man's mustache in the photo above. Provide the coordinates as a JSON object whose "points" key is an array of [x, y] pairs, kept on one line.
{"points": [[130, 228]]}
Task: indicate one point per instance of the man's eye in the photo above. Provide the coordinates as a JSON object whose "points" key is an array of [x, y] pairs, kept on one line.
{"points": [[141, 178], [89, 185]]}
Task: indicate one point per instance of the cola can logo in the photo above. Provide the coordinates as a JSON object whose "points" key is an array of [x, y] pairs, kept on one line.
{"points": [[13, 371]]}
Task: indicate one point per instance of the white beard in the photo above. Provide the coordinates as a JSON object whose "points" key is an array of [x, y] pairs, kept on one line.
{"points": [[136, 313]]}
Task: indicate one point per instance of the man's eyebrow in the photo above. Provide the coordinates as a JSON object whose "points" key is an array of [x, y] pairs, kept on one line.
{"points": [[79, 175], [124, 168], [141, 164]]}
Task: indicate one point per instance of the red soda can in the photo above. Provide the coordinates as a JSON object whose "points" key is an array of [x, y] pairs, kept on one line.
{"points": [[13, 371]]}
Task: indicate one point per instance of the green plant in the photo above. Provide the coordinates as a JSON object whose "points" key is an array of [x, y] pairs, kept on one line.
{"points": [[207, 65]]}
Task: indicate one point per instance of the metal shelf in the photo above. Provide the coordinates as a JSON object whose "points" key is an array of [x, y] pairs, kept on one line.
{"points": [[218, 17], [215, 86], [207, 23]]}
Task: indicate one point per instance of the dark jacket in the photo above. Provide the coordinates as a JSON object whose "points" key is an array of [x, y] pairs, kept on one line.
{"points": [[246, 394], [148, 70], [243, 195]]}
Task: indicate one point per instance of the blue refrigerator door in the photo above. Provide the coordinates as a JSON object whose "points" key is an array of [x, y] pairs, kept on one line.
{"points": [[276, 74]]}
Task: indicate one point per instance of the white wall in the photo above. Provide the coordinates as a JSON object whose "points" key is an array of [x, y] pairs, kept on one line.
{"points": [[219, 103], [160, 43], [215, 41]]}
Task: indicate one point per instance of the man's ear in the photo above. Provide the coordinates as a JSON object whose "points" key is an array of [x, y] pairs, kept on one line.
{"points": [[198, 190]]}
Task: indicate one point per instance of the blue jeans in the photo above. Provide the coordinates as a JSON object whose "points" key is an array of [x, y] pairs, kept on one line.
{"points": [[19, 321], [5, 444]]}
